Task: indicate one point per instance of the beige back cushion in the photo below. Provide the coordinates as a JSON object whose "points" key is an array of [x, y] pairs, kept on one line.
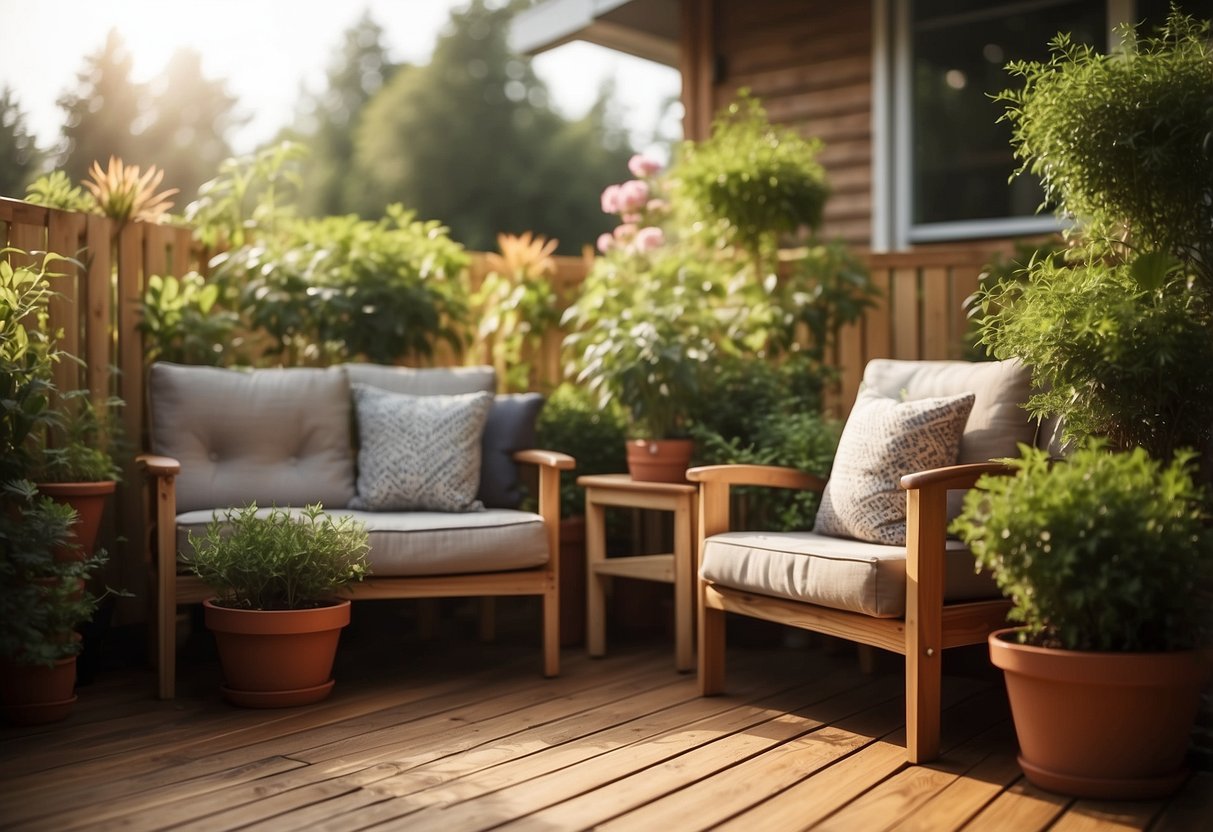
{"points": [[423, 381], [276, 436], [998, 421]]}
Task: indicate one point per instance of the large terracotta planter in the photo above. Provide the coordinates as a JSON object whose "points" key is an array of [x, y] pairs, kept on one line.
{"points": [[659, 460], [1102, 725], [277, 658], [33, 695], [88, 499]]}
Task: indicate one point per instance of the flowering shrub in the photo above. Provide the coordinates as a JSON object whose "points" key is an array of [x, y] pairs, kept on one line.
{"points": [[641, 211]]}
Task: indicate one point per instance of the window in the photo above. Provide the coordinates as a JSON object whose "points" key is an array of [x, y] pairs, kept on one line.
{"points": [[943, 157]]}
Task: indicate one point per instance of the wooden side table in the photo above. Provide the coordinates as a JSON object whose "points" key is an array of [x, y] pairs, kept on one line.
{"points": [[677, 567]]}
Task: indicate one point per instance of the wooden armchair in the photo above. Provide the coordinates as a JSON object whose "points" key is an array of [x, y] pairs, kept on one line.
{"points": [[918, 599]]}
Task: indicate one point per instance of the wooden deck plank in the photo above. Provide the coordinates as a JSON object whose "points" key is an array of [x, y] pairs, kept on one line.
{"points": [[748, 723], [978, 722], [1022, 807], [333, 776], [426, 717], [470, 737]]}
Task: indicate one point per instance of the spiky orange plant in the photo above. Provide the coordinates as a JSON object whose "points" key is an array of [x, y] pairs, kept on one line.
{"points": [[523, 254], [123, 193]]}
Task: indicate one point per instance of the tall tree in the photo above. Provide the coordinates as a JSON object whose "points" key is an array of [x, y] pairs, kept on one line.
{"points": [[191, 117], [471, 140], [359, 69], [102, 114], [19, 153]]}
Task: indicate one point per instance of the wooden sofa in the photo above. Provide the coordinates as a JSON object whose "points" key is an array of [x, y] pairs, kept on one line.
{"points": [[284, 437], [931, 598]]}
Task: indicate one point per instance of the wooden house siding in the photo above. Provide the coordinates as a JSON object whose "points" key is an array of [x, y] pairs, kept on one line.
{"points": [[810, 63]]}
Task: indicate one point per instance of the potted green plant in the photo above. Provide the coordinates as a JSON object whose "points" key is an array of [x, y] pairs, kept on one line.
{"points": [[74, 465], [1103, 556], [275, 616], [1106, 554], [43, 599]]}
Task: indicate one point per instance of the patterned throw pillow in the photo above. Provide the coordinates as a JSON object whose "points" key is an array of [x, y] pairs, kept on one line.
{"points": [[883, 440], [418, 452]]}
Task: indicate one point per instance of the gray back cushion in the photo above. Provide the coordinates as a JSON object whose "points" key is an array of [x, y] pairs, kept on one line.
{"points": [[510, 426], [275, 436]]}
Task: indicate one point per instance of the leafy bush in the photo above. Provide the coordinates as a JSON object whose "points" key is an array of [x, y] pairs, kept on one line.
{"points": [[1121, 142], [754, 412], [27, 358], [825, 287], [249, 198], [182, 321], [55, 190], [340, 288], [84, 441], [752, 180], [1100, 552], [1115, 357], [572, 423], [274, 560]]}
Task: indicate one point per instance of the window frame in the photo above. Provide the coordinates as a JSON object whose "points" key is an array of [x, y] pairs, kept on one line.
{"points": [[892, 136]]}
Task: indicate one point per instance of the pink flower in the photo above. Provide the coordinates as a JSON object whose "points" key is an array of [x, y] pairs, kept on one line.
{"points": [[610, 199], [641, 165], [625, 232], [632, 217], [605, 243], [649, 238], [633, 196]]}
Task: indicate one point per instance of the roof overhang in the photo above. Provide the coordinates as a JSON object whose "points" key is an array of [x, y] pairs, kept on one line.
{"points": [[644, 28]]}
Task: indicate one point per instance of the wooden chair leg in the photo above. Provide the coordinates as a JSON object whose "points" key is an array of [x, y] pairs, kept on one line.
{"points": [[923, 681], [711, 647], [867, 659]]}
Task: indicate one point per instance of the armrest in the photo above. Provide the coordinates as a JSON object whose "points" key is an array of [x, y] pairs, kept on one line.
{"points": [[954, 476], [158, 466], [716, 480], [546, 459], [771, 476]]}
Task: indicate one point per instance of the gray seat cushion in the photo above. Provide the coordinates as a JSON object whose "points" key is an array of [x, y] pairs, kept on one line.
{"points": [[842, 574], [409, 543]]}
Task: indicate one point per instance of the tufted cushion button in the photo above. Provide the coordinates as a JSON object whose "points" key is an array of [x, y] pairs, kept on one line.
{"points": [[213, 456]]}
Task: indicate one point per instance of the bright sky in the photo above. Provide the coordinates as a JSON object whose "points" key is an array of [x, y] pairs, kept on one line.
{"points": [[268, 50]]}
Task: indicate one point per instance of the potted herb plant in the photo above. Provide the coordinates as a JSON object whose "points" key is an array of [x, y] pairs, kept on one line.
{"points": [[275, 616], [1103, 556]]}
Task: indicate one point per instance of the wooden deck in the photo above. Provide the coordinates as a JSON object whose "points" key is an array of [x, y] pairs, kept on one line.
{"points": [[454, 735]]}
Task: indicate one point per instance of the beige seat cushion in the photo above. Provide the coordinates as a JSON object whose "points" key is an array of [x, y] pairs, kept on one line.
{"points": [[842, 574], [431, 543]]}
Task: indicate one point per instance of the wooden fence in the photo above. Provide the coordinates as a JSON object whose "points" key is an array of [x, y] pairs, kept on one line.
{"points": [[919, 316]]}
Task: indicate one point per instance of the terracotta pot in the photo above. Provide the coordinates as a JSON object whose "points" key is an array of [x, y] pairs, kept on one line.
{"points": [[1098, 724], [277, 658], [572, 581], [33, 695], [659, 460], [88, 499]]}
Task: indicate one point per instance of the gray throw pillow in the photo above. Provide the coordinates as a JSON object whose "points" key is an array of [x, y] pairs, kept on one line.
{"points": [[418, 452], [882, 441]]}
